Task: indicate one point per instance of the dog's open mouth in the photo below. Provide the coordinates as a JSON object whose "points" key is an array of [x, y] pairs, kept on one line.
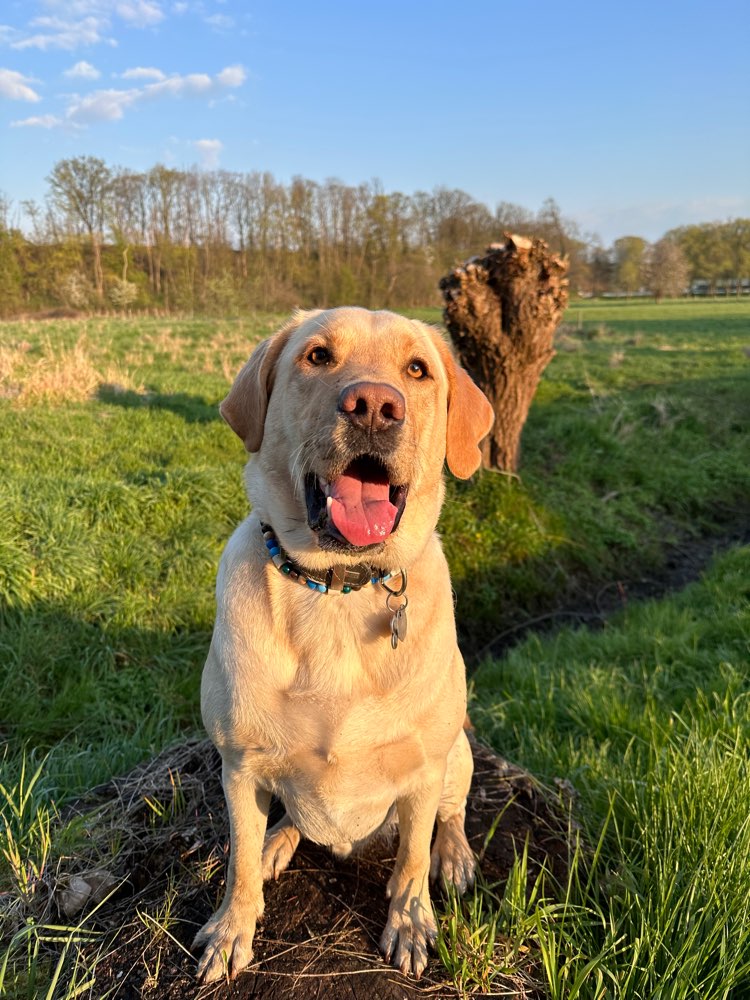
{"points": [[360, 507]]}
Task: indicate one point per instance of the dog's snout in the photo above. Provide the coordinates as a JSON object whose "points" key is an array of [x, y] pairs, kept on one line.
{"points": [[375, 406]]}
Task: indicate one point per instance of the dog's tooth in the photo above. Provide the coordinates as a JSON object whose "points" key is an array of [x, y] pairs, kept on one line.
{"points": [[324, 485], [329, 503]]}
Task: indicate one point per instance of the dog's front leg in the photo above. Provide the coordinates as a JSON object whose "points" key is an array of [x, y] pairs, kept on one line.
{"points": [[228, 935], [410, 927]]}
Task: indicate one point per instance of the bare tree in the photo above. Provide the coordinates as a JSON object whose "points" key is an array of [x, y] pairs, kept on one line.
{"points": [[80, 188], [125, 214], [214, 240]]}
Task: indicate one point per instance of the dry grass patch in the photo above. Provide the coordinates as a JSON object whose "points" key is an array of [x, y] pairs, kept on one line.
{"points": [[222, 352], [54, 374]]}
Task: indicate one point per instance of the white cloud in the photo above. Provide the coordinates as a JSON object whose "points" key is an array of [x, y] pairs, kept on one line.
{"points": [[179, 8], [39, 121], [143, 73], [652, 219], [179, 86], [220, 22], [73, 24], [58, 33], [209, 149], [111, 105], [101, 106], [139, 13], [7, 34], [80, 8], [84, 70], [15, 86], [232, 76]]}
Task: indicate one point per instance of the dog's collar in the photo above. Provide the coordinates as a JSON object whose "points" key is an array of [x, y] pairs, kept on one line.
{"points": [[336, 580]]}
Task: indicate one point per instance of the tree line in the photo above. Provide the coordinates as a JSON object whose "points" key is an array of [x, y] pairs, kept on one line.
{"points": [[220, 241]]}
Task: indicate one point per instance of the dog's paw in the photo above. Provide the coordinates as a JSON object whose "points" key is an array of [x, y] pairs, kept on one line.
{"points": [[278, 849], [228, 938], [408, 934], [451, 859]]}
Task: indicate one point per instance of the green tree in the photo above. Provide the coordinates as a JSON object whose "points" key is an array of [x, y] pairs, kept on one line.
{"points": [[737, 235], [706, 250], [628, 263]]}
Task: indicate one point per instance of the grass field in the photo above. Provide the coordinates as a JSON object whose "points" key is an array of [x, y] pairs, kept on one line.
{"points": [[120, 486]]}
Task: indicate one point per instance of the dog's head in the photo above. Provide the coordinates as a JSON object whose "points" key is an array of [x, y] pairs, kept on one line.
{"points": [[352, 414]]}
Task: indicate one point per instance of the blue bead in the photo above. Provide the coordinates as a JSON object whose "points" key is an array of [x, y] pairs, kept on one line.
{"points": [[312, 585], [274, 551], [270, 543], [322, 588]]}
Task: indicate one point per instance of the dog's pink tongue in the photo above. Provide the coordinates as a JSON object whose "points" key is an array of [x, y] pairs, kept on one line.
{"points": [[361, 510]]}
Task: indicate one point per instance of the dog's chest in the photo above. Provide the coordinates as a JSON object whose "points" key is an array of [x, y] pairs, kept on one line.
{"points": [[339, 773]]}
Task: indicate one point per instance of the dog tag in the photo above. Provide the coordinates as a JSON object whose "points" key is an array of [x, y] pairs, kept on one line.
{"points": [[398, 621], [398, 627]]}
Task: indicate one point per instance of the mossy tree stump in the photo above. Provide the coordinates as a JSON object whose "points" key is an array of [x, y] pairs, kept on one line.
{"points": [[501, 311]]}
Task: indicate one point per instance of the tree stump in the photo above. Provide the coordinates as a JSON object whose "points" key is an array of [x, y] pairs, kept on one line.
{"points": [[501, 311]]}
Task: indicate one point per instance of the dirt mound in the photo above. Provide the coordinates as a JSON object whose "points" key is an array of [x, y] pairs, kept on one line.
{"points": [[323, 916]]}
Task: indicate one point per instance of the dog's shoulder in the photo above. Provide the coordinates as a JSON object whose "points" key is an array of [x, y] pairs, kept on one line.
{"points": [[241, 563]]}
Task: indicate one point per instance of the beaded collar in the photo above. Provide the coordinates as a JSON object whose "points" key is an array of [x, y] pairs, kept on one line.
{"points": [[337, 580]]}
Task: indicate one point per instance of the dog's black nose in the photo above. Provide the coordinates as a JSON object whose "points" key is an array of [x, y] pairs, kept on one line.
{"points": [[374, 406]]}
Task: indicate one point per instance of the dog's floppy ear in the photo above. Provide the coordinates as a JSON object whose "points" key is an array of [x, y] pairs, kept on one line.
{"points": [[244, 409], [470, 416]]}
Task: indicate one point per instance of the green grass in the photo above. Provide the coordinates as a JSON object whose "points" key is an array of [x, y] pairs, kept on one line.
{"points": [[120, 486], [650, 720]]}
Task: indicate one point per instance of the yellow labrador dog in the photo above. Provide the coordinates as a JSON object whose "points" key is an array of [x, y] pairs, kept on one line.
{"points": [[315, 689]]}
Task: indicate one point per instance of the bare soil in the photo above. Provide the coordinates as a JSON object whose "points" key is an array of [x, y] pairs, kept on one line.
{"points": [[323, 916]]}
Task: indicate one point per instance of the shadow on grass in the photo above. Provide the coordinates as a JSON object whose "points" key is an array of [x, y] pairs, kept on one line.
{"points": [[193, 409], [634, 493], [74, 677]]}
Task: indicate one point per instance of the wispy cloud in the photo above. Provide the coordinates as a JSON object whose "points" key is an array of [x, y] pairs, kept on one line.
{"points": [[651, 219], [111, 104], [139, 13], [8, 34], [59, 33], [73, 24], [220, 22], [210, 150], [14, 86], [39, 121], [143, 73], [83, 70]]}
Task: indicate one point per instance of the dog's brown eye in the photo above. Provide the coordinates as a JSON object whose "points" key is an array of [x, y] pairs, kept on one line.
{"points": [[417, 370], [319, 356]]}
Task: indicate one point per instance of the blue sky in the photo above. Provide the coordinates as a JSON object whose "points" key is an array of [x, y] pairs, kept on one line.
{"points": [[634, 116]]}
